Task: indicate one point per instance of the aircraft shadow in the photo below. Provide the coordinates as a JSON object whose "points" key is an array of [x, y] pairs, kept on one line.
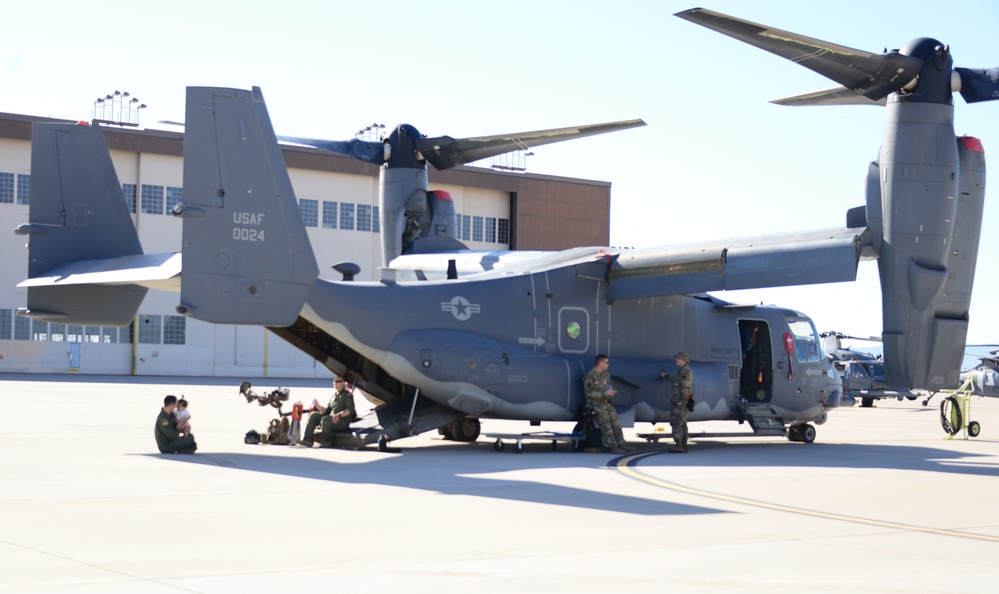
{"points": [[451, 470], [820, 455]]}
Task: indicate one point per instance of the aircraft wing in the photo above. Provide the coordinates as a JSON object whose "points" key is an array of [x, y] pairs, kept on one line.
{"points": [[785, 259]]}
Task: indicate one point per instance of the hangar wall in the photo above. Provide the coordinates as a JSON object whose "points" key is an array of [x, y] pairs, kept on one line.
{"points": [[338, 198]]}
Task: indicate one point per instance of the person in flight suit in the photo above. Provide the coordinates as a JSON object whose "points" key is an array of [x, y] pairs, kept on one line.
{"points": [[168, 439], [599, 393], [336, 417], [683, 389]]}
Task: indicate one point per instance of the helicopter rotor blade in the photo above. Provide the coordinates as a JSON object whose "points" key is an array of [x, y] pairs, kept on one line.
{"points": [[978, 84], [364, 150], [444, 152], [873, 76]]}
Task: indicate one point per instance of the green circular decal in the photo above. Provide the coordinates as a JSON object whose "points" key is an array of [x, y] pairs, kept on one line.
{"points": [[573, 330]]}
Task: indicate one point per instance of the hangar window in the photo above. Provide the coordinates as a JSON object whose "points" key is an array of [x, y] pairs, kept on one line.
{"points": [[503, 231], [310, 212], [152, 199], [491, 229], [150, 328], [23, 188], [74, 333], [92, 334], [376, 225], [476, 228], [174, 197], [109, 335], [22, 328], [57, 332], [174, 330], [364, 217], [128, 190], [466, 227], [125, 334], [329, 214], [7, 188], [39, 330], [347, 216], [5, 324]]}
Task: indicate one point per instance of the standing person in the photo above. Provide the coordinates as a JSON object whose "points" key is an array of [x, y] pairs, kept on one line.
{"points": [[599, 393], [183, 417], [683, 389], [336, 417], [168, 439]]}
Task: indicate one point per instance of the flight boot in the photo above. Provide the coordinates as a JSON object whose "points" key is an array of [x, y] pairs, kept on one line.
{"points": [[678, 448], [617, 450]]}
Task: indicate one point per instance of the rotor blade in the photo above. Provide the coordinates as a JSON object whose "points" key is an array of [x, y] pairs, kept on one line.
{"points": [[978, 84], [874, 76], [833, 96], [364, 150], [444, 152]]}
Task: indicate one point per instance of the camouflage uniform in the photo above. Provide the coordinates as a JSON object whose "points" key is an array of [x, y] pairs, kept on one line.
{"points": [[168, 440], [595, 386], [683, 389], [341, 401]]}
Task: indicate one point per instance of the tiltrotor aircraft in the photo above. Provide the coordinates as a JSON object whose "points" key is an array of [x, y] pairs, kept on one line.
{"points": [[448, 336]]}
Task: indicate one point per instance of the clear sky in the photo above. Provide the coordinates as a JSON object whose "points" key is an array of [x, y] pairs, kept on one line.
{"points": [[716, 160]]}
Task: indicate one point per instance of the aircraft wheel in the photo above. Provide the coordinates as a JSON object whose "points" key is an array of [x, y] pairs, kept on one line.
{"points": [[866, 402], [465, 429], [974, 428], [498, 445], [794, 433], [520, 447], [446, 432], [807, 433]]}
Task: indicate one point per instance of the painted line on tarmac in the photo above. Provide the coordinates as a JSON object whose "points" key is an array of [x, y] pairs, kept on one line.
{"points": [[626, 466]]}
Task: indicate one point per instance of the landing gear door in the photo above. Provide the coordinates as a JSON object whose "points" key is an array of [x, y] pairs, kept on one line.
{"points": [[756, 377]]}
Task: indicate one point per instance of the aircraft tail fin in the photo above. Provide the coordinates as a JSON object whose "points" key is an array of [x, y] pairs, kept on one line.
{"points": [[77, 213], [247, 257]]}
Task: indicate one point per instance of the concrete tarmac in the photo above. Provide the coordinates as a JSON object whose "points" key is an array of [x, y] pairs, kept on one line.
{"points": [[879, 503]]}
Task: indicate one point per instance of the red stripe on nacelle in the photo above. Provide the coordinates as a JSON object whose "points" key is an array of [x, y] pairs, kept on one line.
{"points": [[442, 195], [972, 144]]}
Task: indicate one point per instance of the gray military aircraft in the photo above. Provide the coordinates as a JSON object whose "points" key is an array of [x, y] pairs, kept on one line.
{"points": [[448, 336]]}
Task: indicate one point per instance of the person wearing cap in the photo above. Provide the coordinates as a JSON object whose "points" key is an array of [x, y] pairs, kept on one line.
{"points": [[683, 390], [336, 417], [599, 394]]}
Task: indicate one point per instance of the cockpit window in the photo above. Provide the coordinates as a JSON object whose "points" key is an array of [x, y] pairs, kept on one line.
{"points": [[806, 340]]}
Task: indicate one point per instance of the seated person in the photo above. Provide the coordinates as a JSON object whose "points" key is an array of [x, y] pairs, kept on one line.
{"points": [[337, 415], [168, 439]]}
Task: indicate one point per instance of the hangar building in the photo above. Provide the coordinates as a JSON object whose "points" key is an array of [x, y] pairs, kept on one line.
{"points": [[338, 199]]}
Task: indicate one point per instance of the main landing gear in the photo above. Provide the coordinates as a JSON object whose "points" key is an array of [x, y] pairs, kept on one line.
{"points": [[804, 433]]}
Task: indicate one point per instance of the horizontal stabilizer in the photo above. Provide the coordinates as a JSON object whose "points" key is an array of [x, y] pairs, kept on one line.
{"points": [[153, 271], [247, 257], [769, 261]]}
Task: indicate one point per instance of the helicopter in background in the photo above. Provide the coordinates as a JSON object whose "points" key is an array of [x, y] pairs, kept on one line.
{"points": [[862, 372]]}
